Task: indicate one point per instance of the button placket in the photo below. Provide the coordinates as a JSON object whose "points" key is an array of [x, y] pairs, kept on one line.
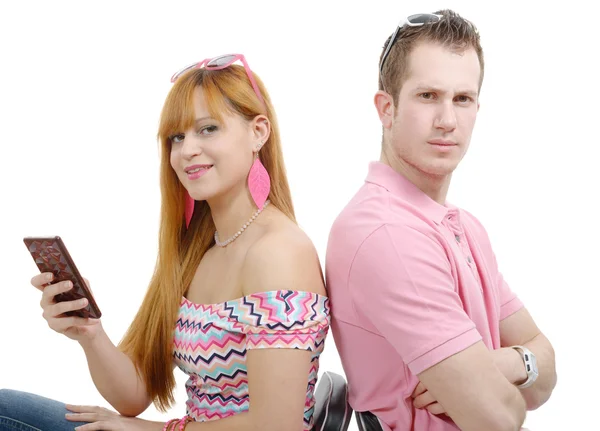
{"points": [[453, 224], [457, 231]]}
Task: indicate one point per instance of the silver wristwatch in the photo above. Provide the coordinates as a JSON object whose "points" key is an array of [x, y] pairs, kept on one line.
{"points": [[530, 366]]}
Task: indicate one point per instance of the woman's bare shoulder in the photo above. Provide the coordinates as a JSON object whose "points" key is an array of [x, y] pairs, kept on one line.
{"points": [[283, 257]]}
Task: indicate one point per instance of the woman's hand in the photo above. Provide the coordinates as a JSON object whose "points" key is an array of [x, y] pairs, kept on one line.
{"points": [[103, 419], [76, 328]]}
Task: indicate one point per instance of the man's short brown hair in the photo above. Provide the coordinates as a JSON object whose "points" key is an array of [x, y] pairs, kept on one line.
{"points": [[452, 31]]}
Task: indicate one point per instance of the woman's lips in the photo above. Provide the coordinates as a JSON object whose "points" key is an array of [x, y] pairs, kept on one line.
{"points": [[197, 171]]}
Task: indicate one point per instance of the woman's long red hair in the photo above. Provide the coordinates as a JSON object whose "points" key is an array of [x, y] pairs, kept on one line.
{"points": [[149, 339]]}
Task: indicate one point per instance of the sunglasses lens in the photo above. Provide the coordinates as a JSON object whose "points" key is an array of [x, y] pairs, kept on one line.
{"points": [[221, 61], [182, 71], [422, 18]]}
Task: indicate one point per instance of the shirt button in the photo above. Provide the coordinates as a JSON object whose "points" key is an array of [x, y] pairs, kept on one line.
{"points": [[457, 237], [469, 259]]}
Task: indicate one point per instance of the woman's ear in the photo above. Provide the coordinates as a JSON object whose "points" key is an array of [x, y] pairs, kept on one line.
{"points": [[261, 130]]}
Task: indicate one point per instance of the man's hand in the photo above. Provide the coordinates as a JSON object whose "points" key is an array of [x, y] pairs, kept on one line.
{"points": [[422, 398], [510, 363]]}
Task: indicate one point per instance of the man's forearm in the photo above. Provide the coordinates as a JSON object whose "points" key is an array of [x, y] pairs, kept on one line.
{"points": [[509, 361], [540, 392]]}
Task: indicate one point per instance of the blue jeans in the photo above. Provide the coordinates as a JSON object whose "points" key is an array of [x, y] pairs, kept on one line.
{"points": [[22, 411]]}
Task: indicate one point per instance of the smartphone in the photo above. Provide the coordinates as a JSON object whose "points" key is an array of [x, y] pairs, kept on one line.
{"points": [[51, 255]]}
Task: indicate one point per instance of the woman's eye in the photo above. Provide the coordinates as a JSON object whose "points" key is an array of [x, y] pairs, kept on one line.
{"points": [[208, 130], [176, 139]]}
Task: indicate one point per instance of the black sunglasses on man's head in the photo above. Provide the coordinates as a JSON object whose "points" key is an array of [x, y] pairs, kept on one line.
{"points": [[412, 21]]}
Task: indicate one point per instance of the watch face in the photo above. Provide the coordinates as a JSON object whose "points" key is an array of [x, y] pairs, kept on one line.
{"points": [[531, 367], [530, 362]]}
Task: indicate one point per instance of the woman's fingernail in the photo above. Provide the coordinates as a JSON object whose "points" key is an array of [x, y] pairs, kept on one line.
{"points": [[48, 277]]}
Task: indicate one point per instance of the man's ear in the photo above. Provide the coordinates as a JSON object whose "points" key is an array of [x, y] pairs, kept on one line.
{"points": [[385, 108]]}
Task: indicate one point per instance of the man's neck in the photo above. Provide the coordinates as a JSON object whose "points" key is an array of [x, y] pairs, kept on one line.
{"points": [[436, 187]]}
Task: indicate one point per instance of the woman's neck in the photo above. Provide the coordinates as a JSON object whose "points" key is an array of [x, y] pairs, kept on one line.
{"points": [[230, 213]]}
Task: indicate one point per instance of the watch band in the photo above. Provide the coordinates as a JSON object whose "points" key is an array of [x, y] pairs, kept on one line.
{"points": [[530, 366]]}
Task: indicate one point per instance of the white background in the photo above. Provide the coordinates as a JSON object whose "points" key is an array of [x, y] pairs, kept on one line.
{"points": [[82, 85]]}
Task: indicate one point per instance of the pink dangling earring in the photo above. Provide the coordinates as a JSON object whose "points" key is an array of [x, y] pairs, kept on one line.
{"points": [[259, 182], [189, 209]]}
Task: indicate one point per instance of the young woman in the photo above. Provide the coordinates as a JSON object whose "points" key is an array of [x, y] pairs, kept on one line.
{"points": [[237, 300]]}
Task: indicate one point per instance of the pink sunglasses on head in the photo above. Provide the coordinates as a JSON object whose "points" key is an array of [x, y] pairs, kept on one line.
{"points": [[221, 62]]}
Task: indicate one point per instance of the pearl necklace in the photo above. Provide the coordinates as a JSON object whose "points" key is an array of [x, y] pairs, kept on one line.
{"points": [[239, 232]]}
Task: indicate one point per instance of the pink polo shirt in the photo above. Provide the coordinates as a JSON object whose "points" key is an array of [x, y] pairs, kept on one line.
{"points": [[411, 282]]}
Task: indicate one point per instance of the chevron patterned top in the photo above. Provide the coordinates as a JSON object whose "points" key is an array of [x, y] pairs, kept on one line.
{"points": [[211, 341]]}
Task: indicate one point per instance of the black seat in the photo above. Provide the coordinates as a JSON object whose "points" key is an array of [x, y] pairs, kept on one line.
{"points": [[332, 411], [367, 421]]}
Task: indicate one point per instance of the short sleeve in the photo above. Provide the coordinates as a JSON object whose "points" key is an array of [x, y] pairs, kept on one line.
{"points": [[284, 319], [401, 281], [508, 300]]}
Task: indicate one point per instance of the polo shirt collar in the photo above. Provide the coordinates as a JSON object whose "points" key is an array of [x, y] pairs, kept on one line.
{"points": [[394, 182]]}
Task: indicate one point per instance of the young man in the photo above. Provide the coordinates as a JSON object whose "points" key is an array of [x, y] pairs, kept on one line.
{"points": [[430, 335]]}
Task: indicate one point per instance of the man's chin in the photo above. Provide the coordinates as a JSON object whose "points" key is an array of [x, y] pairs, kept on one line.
{"points": [[441, 169]]}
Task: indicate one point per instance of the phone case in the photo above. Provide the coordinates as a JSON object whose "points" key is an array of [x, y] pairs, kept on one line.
{"points": [[51, 255]]}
